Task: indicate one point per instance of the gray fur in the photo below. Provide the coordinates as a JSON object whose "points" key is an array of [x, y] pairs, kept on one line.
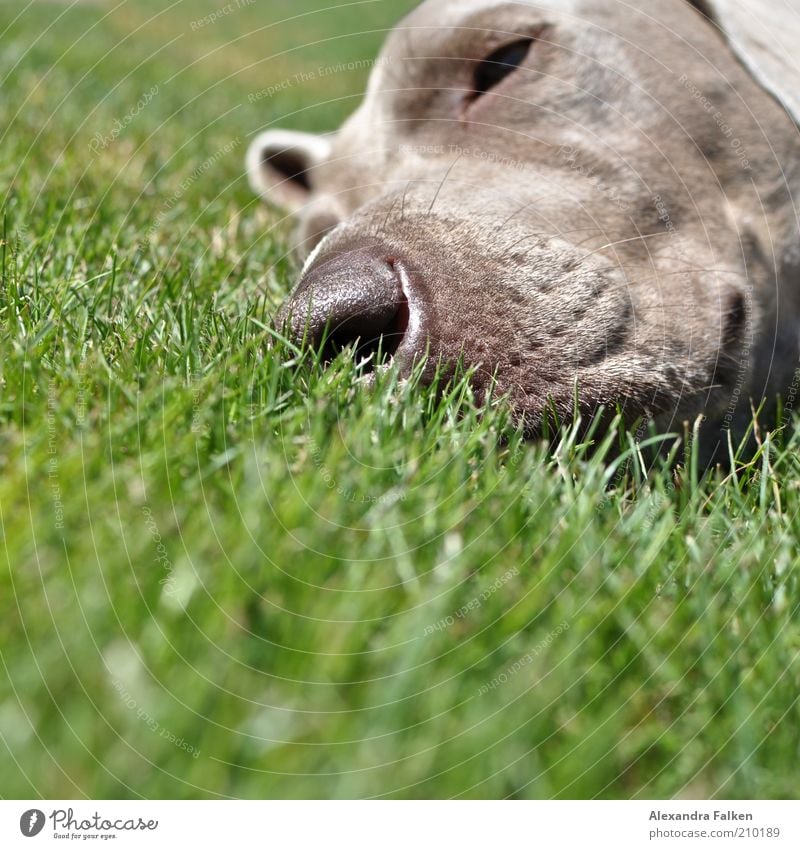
{"points": [[619, 213]]}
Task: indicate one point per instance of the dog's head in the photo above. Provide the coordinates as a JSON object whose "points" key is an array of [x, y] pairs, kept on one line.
{"points": [[562, 193]]}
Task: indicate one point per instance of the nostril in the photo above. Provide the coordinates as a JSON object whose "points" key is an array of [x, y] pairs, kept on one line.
{"points": [[375, 334], [354, 299]]}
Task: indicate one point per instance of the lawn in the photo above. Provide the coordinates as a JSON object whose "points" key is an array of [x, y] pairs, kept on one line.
{"points": [[227, 572]]}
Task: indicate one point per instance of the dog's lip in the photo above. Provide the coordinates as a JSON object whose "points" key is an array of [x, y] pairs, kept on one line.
{"points": [[409, 323], [410, 314]]}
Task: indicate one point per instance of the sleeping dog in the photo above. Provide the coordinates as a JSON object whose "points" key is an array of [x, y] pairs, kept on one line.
{"points": [[576, 198]]}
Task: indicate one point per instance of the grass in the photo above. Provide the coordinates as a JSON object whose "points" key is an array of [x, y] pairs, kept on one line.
{"points": [[228, 572]]}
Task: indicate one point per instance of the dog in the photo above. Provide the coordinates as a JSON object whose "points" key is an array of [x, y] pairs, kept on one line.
{"points": [[592, 204]]}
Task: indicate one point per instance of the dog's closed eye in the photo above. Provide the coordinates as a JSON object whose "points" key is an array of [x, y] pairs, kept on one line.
{"points": [[498, 65]]}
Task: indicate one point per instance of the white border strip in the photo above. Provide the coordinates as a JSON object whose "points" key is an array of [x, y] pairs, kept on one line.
{"points": [[403, 825]]}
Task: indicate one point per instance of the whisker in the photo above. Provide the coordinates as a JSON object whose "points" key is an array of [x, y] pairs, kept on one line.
{"points": [[523, 239], [588, 238], [403, 205], [690, 266], [386, 219], [614, 244], [521, 209], [560, 234], [444, 180]]}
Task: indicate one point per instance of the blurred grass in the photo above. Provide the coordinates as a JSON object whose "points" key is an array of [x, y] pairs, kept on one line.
{"points": [[227, 574]]}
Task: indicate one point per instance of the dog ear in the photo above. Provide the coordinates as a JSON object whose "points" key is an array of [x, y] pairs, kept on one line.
{"points": [[280, 165], [765, 35]]}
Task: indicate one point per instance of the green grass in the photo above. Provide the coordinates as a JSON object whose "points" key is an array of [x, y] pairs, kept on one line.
{"points": [[226, 572]]}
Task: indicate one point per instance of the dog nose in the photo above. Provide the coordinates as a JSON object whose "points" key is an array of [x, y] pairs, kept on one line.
{"points": [[353, 298]]}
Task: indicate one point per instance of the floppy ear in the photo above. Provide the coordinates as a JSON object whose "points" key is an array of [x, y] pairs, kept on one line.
{"points": [[280, 165], [765, 35]]}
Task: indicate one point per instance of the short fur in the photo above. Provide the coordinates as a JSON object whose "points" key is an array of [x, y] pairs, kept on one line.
{"points": [[619, 213]]}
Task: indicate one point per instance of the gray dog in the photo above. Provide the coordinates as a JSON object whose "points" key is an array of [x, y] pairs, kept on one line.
{"points": [[573, 196]]}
